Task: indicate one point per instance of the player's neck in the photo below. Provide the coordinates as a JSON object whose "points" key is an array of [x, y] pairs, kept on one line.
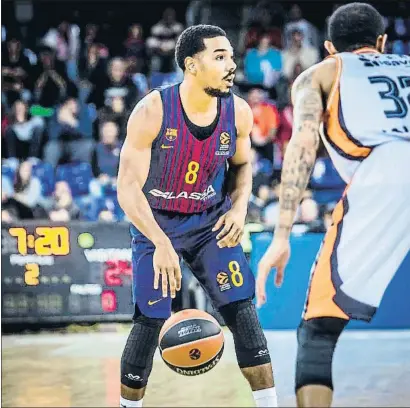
{"points": [[195, 98]]}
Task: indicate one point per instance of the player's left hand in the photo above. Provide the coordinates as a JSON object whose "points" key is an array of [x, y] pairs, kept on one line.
{"points": [[232, 232], [276, 256]]}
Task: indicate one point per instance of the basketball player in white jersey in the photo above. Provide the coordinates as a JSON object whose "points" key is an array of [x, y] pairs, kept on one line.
{"points": [[358, 101]]}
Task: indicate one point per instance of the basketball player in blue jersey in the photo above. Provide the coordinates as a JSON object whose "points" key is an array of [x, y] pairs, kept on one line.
{"points": [[184, 182], [358, 101]]}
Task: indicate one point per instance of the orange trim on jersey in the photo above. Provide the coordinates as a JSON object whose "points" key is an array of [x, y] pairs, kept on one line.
{"points": [[334, 131], [366, 50], [321, 290]]}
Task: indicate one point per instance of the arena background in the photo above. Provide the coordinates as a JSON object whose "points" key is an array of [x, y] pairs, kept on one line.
{"points": [[71, 73]]}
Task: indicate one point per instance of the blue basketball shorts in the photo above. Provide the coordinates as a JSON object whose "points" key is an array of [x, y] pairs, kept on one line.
{"points": [[224, 273]]}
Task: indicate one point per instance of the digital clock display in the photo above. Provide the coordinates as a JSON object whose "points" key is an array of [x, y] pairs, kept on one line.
{"points": [[74, 272], [46, 240]]}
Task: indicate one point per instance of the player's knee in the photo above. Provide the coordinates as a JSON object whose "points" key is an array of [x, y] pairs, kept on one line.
{"points": [[136, 360], [317, 340], [250, 341]]}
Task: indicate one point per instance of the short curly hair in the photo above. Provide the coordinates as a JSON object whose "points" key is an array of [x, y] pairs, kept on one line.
{"points": [[191, 41], [355, 25]]}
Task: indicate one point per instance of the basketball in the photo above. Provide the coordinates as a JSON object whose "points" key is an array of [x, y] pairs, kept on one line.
{"points": [[191, 342]]}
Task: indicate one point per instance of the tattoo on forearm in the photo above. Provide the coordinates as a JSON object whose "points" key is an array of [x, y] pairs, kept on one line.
{"points": [[301, 152]]}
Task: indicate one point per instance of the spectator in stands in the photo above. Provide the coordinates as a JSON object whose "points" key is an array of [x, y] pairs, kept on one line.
{"points": [[63, 208], [197, 12], [9, 212], [116, 83], [309, 211], [266, 203], [308, 216], [51, 84], [266, 122], [136, 59], [4, 125], [298, 54], [135, 68], [8, 216], [265, 196], [114, 111], [266, 19], [310, 34], [106, 215], [285, 127], [398, 31], [106, 154], [162, 42], [16, 72], [282, 92], [24, 132], [263, 64], [65, 41], [26, 194], [70, 132], [92, 68], [92, 37], [134, 45], [261, 170], [89, 39]]}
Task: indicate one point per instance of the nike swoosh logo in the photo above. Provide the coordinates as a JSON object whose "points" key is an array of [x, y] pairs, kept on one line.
{"points": [[152, 302], [166, 147]]}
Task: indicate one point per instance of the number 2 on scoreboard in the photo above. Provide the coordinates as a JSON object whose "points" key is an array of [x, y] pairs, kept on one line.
{"points": [[31, 274]]}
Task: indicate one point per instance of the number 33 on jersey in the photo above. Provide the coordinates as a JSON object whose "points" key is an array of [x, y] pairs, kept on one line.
{"points": [[353, 126]]}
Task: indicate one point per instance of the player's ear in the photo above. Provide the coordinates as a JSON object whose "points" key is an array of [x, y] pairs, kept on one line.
{"points": [[381, 42], [330, 48], [190, 65]]}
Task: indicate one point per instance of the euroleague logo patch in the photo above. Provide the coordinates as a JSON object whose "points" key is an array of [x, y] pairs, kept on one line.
{"points": [[222, 278], [171, 134], [224, 144], [223, 281], [194, 354], [224, 138]]}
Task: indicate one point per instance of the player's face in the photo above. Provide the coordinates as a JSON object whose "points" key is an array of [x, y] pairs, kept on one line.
{"points": [[216, 67]]}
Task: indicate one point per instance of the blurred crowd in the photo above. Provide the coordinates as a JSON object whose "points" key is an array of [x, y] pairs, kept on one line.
{"points": [[66, 101]]}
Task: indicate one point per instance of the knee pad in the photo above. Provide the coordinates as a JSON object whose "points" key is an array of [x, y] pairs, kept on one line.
{"points": [[136, 360], [317, 340], [250, 342]]}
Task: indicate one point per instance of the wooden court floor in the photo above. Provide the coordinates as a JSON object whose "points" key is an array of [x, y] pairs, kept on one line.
{"points": [[371, 368]]}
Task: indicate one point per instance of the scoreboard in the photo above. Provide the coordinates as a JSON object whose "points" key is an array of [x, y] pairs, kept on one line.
{"points": [[54, 272]]}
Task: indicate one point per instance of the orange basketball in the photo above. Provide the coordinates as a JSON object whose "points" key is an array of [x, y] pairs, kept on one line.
{"points": [[191, 342]]}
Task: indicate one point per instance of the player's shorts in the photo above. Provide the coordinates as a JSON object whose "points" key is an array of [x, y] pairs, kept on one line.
{"points": [[368, 240], [224, 273]]}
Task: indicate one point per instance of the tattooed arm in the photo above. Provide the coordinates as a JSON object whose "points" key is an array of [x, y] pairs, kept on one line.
{"points": [[298, 163], [301, 152]]}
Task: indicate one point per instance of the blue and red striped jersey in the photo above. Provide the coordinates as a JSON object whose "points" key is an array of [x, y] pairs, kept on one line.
{"points": [[188, 175]]}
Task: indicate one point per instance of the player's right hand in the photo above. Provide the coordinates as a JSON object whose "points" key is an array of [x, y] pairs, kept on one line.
{"points": [[276, 256], [166, 265]]}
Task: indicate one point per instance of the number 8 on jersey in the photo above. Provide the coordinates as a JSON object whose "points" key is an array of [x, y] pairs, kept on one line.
{"points": [[192, 173]]}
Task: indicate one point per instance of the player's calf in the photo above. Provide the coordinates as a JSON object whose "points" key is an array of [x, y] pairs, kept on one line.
{"points": [[317, 340], [136, 360], [251, 350]]}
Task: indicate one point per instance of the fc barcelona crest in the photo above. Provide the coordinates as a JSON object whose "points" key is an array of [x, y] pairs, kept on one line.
{"points": [[171, 134]]}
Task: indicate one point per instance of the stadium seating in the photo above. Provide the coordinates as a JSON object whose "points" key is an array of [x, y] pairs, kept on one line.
{"points": [[77, 175], [45, 173]]}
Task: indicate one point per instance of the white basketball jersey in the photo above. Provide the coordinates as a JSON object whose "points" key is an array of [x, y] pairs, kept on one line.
{"points": [[369, 105]]}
